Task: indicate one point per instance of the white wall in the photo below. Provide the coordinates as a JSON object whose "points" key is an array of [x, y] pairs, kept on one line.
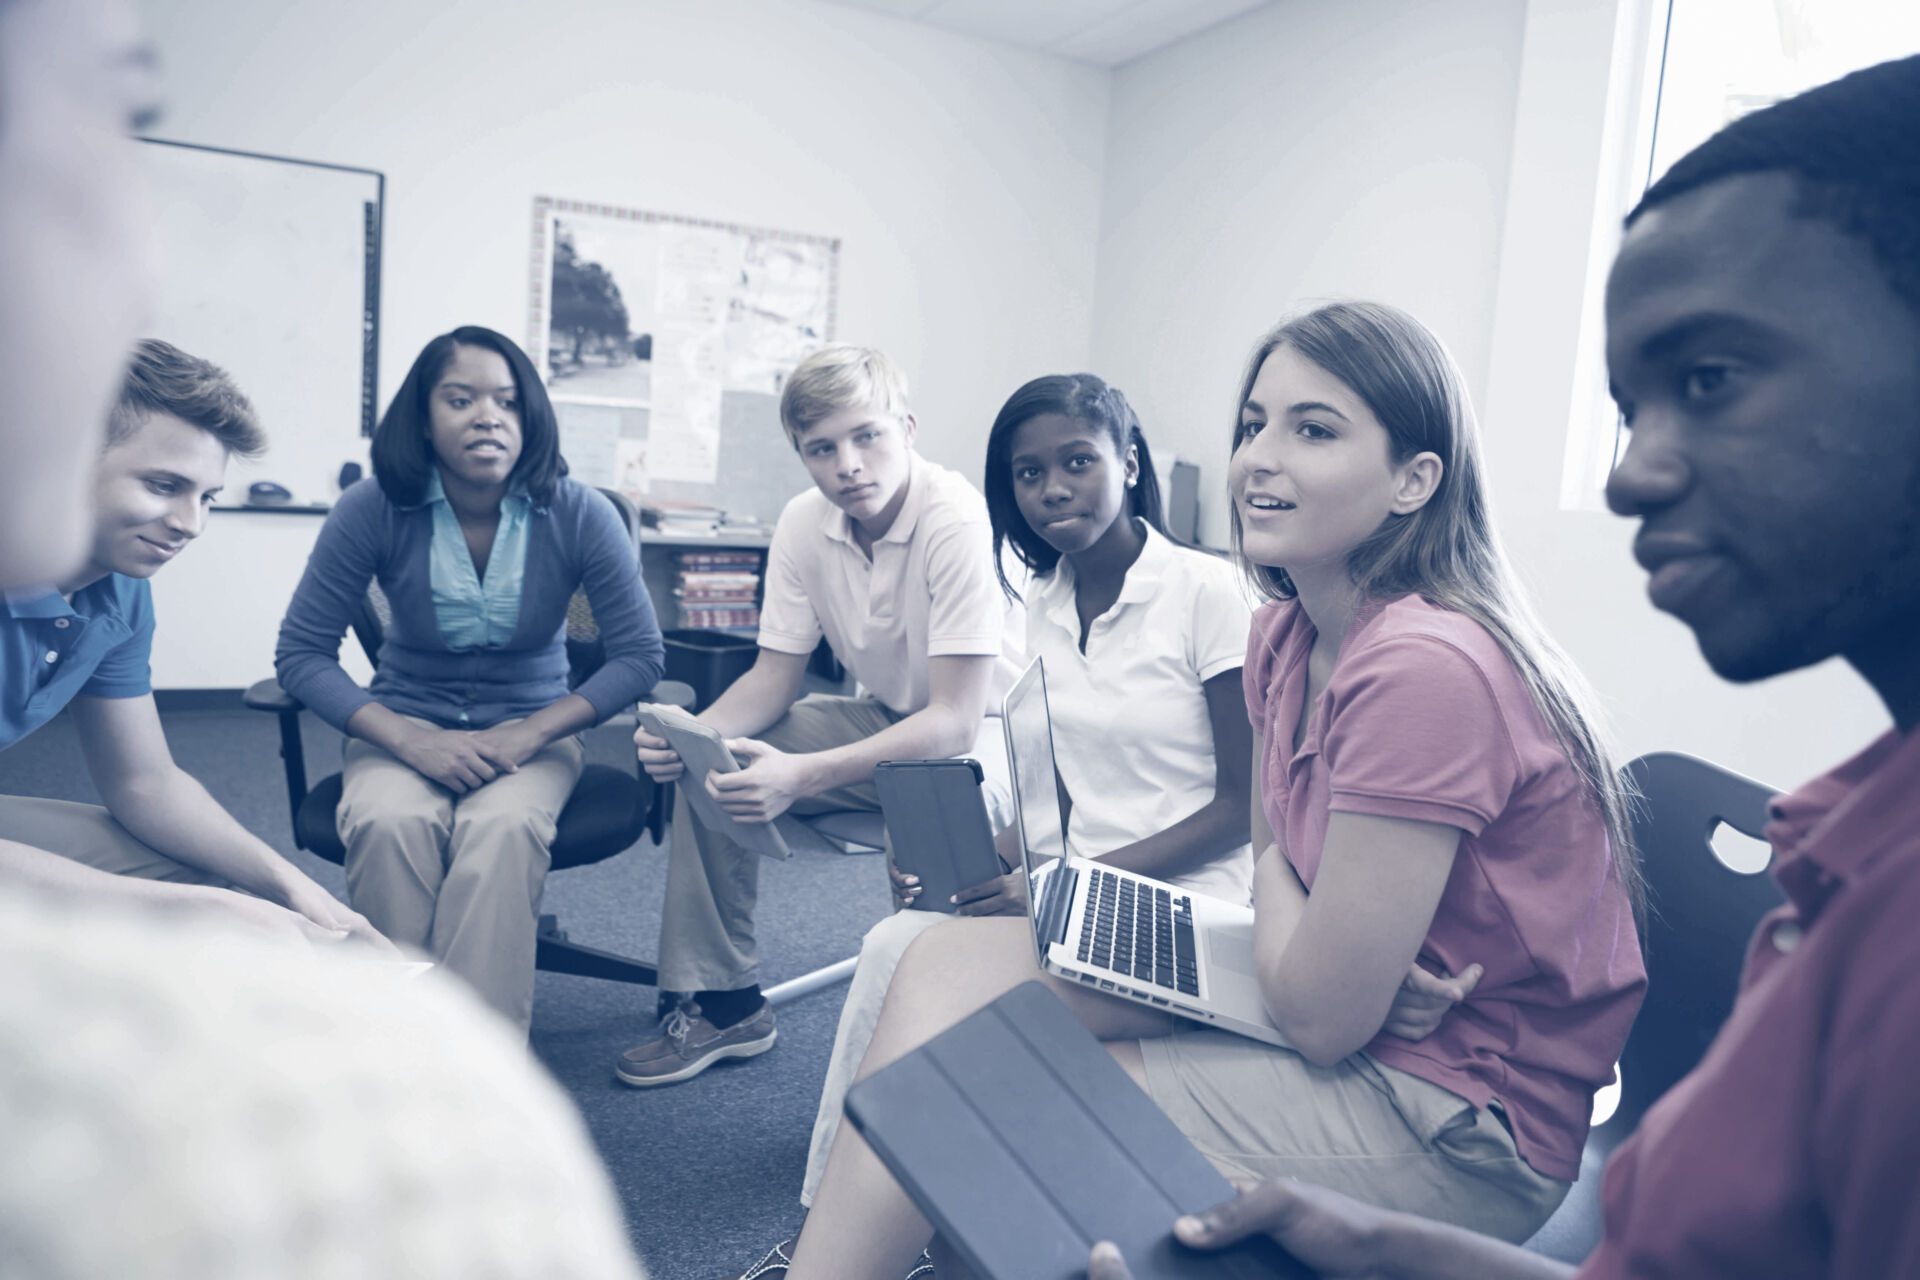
{"points": [[1441, 157], [963, 176], [217, 607], [1579, 563], [1305, 151], [1444, 158]]}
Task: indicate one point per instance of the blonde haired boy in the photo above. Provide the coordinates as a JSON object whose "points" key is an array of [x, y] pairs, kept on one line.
{"points": [[889, 557]]}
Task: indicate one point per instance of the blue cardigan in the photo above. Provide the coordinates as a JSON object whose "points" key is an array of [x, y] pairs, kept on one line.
{"points": [[577, 540]]}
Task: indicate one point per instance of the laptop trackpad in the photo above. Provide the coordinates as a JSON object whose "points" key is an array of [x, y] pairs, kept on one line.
{"points": [[1231, 949]]}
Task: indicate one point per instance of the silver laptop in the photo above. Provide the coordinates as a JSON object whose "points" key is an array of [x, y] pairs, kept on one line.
{"points": [[1137, 938]]}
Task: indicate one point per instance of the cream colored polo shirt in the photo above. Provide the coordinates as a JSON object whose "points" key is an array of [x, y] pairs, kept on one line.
{"points": [[1132, 737], [928, 592]]}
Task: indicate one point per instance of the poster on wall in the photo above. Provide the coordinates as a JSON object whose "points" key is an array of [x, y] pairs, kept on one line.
{"points": [[641, 322]]}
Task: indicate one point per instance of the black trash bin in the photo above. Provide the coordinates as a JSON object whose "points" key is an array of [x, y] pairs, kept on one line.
{"points": [[709, 661]]}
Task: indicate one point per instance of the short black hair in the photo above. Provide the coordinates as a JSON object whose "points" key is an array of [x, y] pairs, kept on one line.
{"points": [[1854, 147], [402, 456], [1084, 398], [161, 378]]}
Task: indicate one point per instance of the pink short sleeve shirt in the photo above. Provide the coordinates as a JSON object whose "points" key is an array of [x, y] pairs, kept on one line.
{"points": [[1426, 718]]}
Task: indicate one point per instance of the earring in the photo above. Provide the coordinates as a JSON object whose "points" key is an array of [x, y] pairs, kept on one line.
{"points": [[1130, 482]]}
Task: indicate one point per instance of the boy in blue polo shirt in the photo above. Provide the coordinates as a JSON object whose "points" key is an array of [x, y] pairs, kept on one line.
{"points": [[160, 839]]}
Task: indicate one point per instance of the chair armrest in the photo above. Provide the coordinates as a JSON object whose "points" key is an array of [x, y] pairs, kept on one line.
{"points": [[269, 696], [673, 693]]}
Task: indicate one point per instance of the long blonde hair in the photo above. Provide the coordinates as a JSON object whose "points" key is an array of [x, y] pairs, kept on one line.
{"points": [[1446, 552]]}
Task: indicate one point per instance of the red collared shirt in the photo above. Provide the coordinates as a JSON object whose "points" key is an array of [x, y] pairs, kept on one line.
{"points": [[1793, 1149]]}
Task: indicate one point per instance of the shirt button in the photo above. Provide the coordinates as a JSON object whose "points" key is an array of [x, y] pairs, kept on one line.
{"points": [[1786, 936], [52, 656], [61, 623]]}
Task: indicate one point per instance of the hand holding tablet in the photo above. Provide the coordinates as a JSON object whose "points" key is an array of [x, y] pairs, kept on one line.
{"points": [[702, 751]]}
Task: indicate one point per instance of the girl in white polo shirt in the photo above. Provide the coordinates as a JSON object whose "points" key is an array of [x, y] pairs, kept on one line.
{"points": [[1143, 641]]}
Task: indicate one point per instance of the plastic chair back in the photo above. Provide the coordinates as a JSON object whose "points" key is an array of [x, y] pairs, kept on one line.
{"points": [[1700, 915]]}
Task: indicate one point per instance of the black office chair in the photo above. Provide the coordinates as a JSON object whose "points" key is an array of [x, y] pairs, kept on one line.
{"points": [[607, 813], [1700, 914]]}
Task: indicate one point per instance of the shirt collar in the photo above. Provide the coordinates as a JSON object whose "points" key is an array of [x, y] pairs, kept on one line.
{"points": [[1839, 824], [1144, 576], [34, 603], [47, 602], [838, 525], [437, 492], [1053, 595], [1148, 569]]}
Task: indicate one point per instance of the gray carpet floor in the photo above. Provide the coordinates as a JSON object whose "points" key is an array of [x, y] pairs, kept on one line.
{"points": [[708, 1171]]}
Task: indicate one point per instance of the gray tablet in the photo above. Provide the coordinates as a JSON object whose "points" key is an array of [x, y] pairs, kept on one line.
{"points": [[1025, 1144], [703, 751], [937, 822]]}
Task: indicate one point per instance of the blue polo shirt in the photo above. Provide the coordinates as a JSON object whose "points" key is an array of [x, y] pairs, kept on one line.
{"points": [[52, 651]]}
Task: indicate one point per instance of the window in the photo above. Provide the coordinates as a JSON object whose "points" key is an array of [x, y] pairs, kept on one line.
{"points": [[1684, 70]]}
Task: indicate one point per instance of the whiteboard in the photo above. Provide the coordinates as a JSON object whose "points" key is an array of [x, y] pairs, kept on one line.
{"points": [[270, 268]]}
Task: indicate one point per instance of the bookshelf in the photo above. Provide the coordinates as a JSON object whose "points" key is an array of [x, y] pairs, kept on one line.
{"points": [[702, 580], [719, 588]]}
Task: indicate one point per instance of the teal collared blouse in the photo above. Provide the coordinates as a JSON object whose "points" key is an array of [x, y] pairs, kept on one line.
{"points": [[475, 613]]}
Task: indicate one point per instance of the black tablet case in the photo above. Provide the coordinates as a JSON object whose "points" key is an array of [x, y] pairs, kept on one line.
{"points": [[1025, 1143], [937, 821]]}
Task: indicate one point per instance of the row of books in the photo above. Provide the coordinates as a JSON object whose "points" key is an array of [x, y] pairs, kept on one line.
{"points": [[725, 618], [719, 589], [696, 520]]}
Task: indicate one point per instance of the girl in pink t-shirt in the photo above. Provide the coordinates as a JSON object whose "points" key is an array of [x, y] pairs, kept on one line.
{"points": [[1463, 974], [1425, 760]]}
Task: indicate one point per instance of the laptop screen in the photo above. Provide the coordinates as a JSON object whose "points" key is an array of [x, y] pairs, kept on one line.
{"points": [[1036, 795]]}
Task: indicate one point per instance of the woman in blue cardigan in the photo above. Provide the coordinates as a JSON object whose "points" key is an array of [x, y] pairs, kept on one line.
{"points": [[464, 749]]}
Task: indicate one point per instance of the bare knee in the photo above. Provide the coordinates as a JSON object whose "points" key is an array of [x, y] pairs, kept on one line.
{"points": [[947, 973], [892, 935], [1127, 1053], [958, 967], [973, 960]]}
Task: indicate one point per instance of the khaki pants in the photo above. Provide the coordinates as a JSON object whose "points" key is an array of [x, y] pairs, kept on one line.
{"points": [[459, 877], [713, 884], [1364, 1128], [88, 834]]}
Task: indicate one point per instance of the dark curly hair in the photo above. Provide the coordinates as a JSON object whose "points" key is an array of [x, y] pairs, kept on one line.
{"points": [[1854, 147]]}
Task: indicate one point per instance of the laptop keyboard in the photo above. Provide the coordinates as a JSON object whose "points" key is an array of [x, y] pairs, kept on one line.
{"points": [[1141, 932]]}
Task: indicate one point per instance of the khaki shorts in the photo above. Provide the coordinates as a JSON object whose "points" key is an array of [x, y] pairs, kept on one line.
{"points": [[1369, 1130]]}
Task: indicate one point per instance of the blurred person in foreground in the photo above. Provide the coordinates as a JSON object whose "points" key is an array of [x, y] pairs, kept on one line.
{"points": [[213, 1107], [75, 79]]}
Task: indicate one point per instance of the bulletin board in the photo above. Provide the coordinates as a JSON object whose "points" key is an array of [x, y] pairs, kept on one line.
{"points": [[666, 341], [269, 266]]}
